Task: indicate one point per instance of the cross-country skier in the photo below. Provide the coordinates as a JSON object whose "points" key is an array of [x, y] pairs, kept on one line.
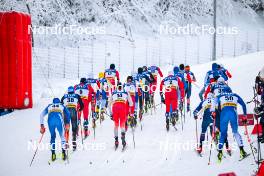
{"points": [[171, 84], [211, 76], [101, 98], [147, 87], [130, 87], [118, 106], [218, 88], [112, 76], [74, 104], [259, 110], [86, 93], [190, 78], [141, 81], [155, 71], [93, 82], [225, 72], [55, 112], [228, 105], [207, 118]]}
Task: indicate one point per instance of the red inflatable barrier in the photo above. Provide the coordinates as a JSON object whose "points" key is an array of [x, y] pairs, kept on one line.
{"points": [[15, 61]]}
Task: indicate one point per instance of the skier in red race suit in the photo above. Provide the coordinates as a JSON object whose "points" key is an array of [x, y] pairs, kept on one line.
{"points": [[112, 76], [118, 101], [172, 84], [86, 93], [155, 71]]}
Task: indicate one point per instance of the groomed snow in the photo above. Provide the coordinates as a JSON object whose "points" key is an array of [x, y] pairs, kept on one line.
{"points": [[19, 129]]}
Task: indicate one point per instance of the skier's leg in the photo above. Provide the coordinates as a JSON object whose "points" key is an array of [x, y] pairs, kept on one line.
{"points": [[52, 127], [123, 119], [85, 116], [205, 125], [74, 123], [234, 126], [224, 119]]}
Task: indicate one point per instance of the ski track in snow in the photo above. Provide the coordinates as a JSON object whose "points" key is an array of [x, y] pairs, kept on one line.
{"points": [[22, 126]]}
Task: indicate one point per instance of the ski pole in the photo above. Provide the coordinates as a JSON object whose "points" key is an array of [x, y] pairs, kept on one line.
{"points": [[196, 132], [81, 128], [36, 150], [249, 140], [133, 133], [67, 145], [211, 145]]}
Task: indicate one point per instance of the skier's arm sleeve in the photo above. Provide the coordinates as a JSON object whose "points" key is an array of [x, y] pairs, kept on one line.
{"points": [[161, 86], [160, 72], [117, 76], [208, 89], [98, 84], [181, 88], [228, 74], [130, 102], [198, 109], [242, 103], [80, 103], [147, 78], [62, 99], [67, 115], [194, 78], [206, 78], [43, 114]]}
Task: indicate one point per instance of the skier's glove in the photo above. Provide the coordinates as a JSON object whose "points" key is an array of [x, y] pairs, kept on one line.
{"points": [[244, 119], [195, 115], [213, 115], [111, 116], [42, 129]]}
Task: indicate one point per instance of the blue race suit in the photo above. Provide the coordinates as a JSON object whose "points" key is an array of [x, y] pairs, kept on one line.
{"points": [[55, 113]]}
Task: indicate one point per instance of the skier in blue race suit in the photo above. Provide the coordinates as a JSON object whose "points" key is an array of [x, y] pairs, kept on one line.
{"points": [[228, 102], [207, 118], [55, 112]]}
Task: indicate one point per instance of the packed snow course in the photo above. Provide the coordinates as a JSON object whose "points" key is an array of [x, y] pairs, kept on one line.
{"points": [[154, 153]]}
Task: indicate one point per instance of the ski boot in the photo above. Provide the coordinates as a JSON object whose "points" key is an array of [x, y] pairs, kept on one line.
{"points": [[167, 124], [93, 124], [188, 107], [167, 115], [116, 142], [243, 154], [74, 144], [86, 132], [126, 126], [64, 155], [261, 139], [199, 150], [173, 122], [53, 155], [220, 156], [123, 136], [102, 114], [229, 151]]}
